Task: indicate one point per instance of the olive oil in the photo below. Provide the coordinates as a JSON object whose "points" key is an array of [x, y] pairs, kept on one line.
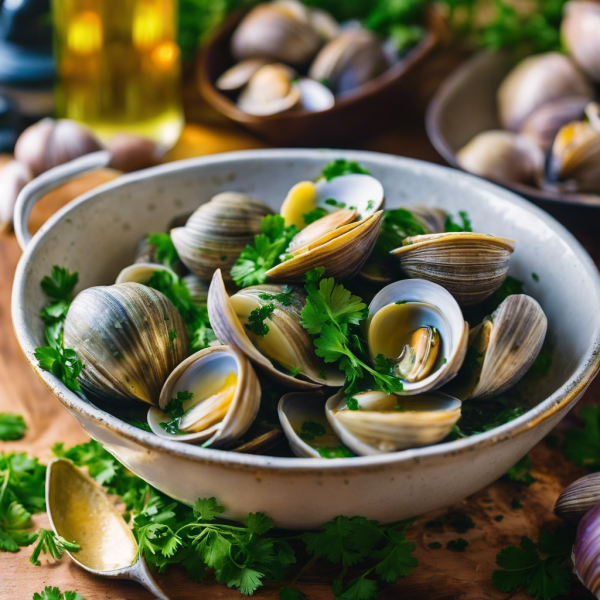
{"points": [[118, 67]]}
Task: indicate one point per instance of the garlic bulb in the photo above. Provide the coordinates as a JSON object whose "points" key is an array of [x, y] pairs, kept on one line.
{"points": [[13, 178], [580, 31], [535, 81], [49, 143], [502, 156]]}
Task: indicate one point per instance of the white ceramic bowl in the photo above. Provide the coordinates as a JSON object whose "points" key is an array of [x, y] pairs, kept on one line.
{"points": [[97, 233]]}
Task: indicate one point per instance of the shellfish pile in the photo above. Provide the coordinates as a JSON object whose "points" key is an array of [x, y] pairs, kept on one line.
{"points": [[239, 312]]}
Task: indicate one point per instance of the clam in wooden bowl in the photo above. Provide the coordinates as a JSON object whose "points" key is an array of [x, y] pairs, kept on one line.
{"points": [[355, 114], [97, 235], [465, 105]]}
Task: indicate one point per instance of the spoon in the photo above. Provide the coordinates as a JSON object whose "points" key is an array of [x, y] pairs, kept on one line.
{"points": [[80, 510]]}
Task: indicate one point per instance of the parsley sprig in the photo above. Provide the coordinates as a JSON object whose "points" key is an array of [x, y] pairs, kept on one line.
{"points": [[465, 224], [543, 577], [12, 427], [330, 315], [50, 543], [165, 250], [269, 245], [341, 166], [176, 411], [53, 593]]}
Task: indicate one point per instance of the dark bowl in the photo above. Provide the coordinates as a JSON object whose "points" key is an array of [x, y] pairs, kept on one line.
{"points": [[360, 113], [465, 105]]}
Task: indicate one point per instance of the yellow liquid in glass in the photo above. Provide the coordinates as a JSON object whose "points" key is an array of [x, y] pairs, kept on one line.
{"points": [[118, 67]]}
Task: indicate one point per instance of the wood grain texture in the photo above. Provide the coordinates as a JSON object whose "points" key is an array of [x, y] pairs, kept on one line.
{"points": [[442, 575]]}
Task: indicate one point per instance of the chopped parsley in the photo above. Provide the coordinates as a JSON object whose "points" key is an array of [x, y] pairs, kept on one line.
{"points": [[338, 452], [12, 427], [256, 320], [284, 298], [535, 277], [335, 203], [340, 167], [352, 404], [311, 429], [314, 215], [176, 411], [254, 261], [166, 253]]}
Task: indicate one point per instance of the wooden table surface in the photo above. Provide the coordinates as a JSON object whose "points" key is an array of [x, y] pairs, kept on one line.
{"points": [[442, 574]]}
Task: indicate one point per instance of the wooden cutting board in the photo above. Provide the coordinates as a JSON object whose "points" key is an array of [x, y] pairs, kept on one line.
{"points": [[442, 574]]}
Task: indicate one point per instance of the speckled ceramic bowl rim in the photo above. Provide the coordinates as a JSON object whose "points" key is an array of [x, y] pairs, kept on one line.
{"points": [[568, 393]]}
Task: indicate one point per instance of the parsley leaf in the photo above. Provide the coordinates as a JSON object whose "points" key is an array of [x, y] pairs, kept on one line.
{"points": [[59, 285], [63, 363], [165, 250], [311, 217], [256, 320], [510, 286], [12, 427], [340, 167], [542, 578], [452, 226], [175, 410], [582, 445], [311, 429], [50, 543], [53, 593], [254, 261]]}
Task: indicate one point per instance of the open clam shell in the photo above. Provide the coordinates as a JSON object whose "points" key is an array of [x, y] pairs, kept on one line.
{"points": [[359, 192], [388, 423], [342, 252], [217, 232], [129, 337], [239, 75], [141, 272], [411, 305], [471, 266], [502, 348], [225, 400], [309, 434], [291, 343]]}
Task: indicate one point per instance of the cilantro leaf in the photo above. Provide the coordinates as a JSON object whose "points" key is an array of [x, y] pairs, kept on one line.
{"points": [[207, 509], [254, 261], [12, 427], [59, 285], [465, 225], [340, 167]]}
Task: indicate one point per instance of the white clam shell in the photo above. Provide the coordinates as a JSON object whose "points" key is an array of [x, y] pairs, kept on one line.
{"points": [[446, 317], [357, 191], [296, 408], [239, 75], [424, 420], [229, 330], [314, 96], [141, 273], [219, 361]]}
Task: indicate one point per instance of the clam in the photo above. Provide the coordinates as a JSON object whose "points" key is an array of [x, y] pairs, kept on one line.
{"points": [[471, 266], [239, 75], [225, 397], [544, 123], [502, 156], [502, 349], [586, 552], [349, 60], [580, 32], [129, 338], [276, 33], [309, 434], [198, 289], [319, 228], [419, 327], [578, 498], [574, 162], [388, 423], [342, 252], [359, 192], [217, 232], [314, 96], [286, 344], [535, 81], [141, 272]]}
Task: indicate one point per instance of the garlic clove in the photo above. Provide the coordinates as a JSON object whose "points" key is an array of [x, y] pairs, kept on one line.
{"points": [[13, 178], [132, 152], [50, 143], [578, 498], [586, 552]]}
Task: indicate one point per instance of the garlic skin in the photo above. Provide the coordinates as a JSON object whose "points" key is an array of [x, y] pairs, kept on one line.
{"points": [[132, 152], [578, 498], [586, 551], [580, 31], [49, 143], [13, 178], [535, 81], [502, 156]]}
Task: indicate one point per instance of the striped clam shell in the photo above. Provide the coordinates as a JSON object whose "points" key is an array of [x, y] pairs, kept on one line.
{"points": [[586, 551], [471, 266], [578, 498]]}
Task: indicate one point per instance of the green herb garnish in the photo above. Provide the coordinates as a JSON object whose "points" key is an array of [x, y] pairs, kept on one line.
{"points": [[339, 452], [176, 411], [340, 167], [521, 472], [256, 320], [165, 250], [12, 427], [311, 429], [53, 593], [314, 215], [50, 543], [510, 286], [452, 226], [582, 445]]}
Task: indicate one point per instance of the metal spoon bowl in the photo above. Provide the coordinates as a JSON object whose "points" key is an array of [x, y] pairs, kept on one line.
{"points": [[79, 510]]}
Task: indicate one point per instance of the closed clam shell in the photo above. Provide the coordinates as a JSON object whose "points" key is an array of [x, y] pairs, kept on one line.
{"points": [[578, 498], [350, 60], [299, 408], [535, 81], [311, 233], [342, 252], [471, 266], [239, 75], [422, 303], [379, 427], [275, 33], [129, 338], [203, 374], [217, 232], [292, 342]]}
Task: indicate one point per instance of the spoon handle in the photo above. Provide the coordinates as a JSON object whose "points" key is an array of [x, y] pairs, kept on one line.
{"points": [[141, 573]]}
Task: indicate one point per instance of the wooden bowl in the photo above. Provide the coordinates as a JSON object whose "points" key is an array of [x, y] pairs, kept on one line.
{"points": [[365, 111], [465, 105]]}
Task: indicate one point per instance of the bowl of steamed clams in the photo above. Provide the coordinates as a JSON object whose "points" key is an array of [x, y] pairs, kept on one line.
{"points": [[307, 333], [533, 124], [295, 75]]}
